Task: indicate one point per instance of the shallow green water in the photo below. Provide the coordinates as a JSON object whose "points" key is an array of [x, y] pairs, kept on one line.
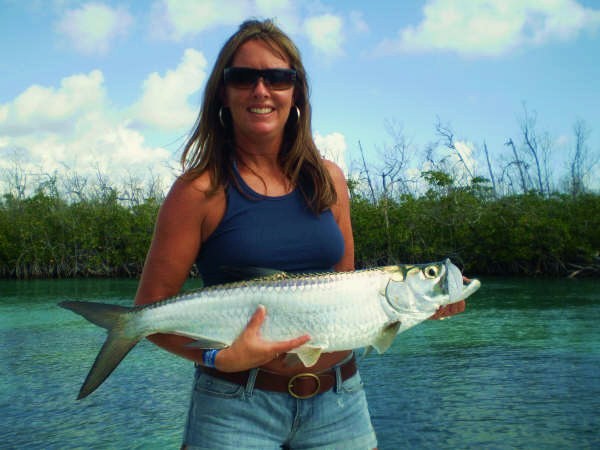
{"points": [[519, 369]]}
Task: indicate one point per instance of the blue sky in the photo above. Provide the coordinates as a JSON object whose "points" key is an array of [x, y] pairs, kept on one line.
{"points": [[115, 86]]}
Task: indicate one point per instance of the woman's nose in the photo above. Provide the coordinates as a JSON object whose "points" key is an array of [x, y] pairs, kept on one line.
{"points": [[260, 87]]}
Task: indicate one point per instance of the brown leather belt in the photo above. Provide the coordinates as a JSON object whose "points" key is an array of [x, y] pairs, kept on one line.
{"points": [[301, 386]]}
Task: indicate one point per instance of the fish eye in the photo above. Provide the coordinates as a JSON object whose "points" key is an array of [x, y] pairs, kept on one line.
{"points": [[431, 271]]}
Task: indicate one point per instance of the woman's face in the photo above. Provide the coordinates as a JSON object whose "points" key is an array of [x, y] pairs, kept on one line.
{"points": [[258, 112]]}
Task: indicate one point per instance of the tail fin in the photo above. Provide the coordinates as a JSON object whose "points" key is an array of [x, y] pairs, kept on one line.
{"points": [[117, 344]]}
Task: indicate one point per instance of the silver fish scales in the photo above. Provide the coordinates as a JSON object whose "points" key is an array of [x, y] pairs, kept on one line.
{"points": [[339, 310]]}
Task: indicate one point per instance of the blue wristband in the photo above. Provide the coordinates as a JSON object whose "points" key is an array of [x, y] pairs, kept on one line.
{"points": [[209, 356]]}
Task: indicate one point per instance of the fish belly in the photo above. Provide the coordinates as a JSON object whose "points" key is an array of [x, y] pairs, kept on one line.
{"points": [[337, 315]]}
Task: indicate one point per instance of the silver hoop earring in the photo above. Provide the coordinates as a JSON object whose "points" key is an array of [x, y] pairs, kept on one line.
{"points": [[297, 114], [221, 117]]}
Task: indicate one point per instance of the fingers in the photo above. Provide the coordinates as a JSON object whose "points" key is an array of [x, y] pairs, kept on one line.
{"points": [[272, 348], [437, 314], [257, 318], [286, 346], [250, 349], [449, 310], [458, 307]]}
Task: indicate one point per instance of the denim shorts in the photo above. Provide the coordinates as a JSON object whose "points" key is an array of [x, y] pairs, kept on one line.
{"points": [[225, 415]]}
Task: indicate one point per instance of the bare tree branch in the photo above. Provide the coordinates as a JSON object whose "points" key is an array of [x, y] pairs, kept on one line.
{"points": [[366, 172], [518, 162], [446, 132], [530, 138], [489, 164]]}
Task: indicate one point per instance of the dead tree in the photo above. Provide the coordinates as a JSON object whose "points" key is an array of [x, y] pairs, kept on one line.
{"points": [[75, 185], [395, 160], [521, 167], [581, 163], [15, 179], [532, 145], [489, 165], [447, 134], [365, 171]]}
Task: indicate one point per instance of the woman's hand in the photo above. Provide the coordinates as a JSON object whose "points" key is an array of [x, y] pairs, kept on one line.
{"points": [[449, 310], [452, 308], [250, 350]]}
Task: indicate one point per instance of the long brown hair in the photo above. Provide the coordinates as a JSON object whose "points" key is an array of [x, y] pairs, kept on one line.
{"points": [[211, 145]]}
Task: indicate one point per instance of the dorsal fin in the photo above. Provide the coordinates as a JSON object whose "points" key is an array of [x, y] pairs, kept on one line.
{"points": [[253, 273]]}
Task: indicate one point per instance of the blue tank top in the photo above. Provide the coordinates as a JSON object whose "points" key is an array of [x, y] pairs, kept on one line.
{"points": [[269, 232]]}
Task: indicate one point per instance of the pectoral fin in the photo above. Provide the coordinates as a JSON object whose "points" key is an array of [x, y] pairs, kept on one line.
{"points": [[386, 337], [309, 355]]}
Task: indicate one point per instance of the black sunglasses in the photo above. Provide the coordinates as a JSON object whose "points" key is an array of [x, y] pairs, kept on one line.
{"points": [[246, 78]]}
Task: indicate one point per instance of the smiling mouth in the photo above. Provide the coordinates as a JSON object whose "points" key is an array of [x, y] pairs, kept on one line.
{"points": [[265, 110]]}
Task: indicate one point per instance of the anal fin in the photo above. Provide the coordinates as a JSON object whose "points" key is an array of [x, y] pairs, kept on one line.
{"points": [[309, 355], [203, 343]]}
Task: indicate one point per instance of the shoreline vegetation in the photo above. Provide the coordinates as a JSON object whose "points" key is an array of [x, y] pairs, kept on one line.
{"points": [[511, 215], [82, 230], [505, 212]]}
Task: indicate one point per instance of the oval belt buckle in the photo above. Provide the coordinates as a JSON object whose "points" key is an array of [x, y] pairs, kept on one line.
{"points": [[304, 397]]}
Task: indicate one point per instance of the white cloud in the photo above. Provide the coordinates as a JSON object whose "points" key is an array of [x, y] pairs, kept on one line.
{"points": [[492, 27], [175, 20], [164, 102], [94, 26], [284, 12], [178, 19], [449, 161], [51, 129], [272, 5], [3, 113], [100, 145], [46, 109], [117, 150], [466, 150], [333, 147], [72, 125], [325, 33]]}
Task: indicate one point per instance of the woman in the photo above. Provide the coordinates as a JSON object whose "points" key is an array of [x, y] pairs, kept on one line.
{"points": [[256, 192]]}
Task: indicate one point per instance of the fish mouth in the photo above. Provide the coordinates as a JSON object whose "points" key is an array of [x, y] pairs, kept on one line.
{"points": [[471, 288], [455, 286]]}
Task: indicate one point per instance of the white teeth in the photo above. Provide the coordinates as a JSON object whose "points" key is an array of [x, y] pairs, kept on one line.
{"points": [[261, 110]]}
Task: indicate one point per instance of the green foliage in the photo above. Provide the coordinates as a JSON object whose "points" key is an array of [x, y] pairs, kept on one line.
{"points": [[45, 236], [523, 234]]}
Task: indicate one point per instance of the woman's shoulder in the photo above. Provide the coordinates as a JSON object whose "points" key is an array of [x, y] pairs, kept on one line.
{"points": [[195, 191], [197, 185], [335, 172]]}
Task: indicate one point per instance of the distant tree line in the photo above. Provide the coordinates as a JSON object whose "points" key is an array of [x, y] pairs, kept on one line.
{"points": [[512, 216], [510, 220], [81, 230], [525, 234], [47, 234]]}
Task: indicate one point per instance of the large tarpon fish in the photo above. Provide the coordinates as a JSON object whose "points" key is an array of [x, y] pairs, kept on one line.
{"points": [[338, 310]]}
